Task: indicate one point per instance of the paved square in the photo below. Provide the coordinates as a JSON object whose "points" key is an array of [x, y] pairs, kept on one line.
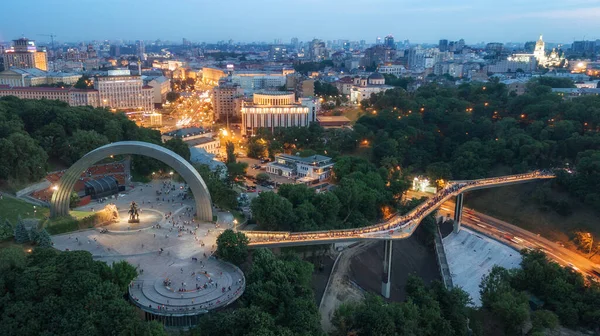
{"points": [[172, 251]]}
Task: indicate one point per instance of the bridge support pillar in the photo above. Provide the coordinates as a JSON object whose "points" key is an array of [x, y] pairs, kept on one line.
{"points": [[458, 208], [386, 282]]}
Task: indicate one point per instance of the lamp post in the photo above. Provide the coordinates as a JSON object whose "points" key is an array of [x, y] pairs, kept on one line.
{"points": [[235, 223]]}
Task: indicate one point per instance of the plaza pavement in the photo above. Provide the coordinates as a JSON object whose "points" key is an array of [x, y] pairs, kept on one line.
{"points": [[183, 260]]}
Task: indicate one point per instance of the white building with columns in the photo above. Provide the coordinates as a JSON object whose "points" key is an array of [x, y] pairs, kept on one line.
{"points": [[275, 109]]}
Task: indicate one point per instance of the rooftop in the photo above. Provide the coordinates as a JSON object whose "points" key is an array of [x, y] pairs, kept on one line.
{"points": [[309, 159], [199, 141]]}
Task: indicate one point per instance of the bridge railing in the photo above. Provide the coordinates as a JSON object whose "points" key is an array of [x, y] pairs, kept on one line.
{"points": [[408, 221]]}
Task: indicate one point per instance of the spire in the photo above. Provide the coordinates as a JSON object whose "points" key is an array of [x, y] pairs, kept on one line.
{"points": [[540, 37]]}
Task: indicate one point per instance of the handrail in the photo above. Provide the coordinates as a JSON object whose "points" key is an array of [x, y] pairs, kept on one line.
{"points": [[399, 226]]}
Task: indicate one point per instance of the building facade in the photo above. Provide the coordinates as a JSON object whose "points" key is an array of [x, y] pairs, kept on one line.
{"points": [[211, 76], [363, 88], [311, 169], [73, 97], [24, 54], [274, 109], [161, 85], [122, 91], [226, 100]]}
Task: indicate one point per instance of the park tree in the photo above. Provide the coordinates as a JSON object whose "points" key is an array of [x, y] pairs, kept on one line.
{"points": [[272, 212], [21, 233], [262, 178], [74, 200], [232, 246], [42, 238], [6, 229], [84, 82], [173, 96], [22, 158], [178, 146], [509, 305], [72, 283], [585, 241], [230, 150], [83, 142], [220, 192], [236, 171]]}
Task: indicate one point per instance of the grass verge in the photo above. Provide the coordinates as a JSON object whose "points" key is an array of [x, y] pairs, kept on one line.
{"points": [[12, 208]]}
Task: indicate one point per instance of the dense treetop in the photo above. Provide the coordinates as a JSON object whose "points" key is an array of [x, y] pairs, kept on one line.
{"points": [[66, 293], [33, 131]]}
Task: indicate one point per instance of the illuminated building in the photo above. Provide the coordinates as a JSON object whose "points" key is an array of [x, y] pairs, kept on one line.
{"points": [[211, 76], [275, 109], [553, 59], [24, 54], [73, 97], [122, 91], [225, 100], [33, 77], [363, 88], [309, 169]]}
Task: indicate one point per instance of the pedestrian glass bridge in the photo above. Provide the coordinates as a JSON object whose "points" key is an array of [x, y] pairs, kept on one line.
{"points": [[397, 227]]}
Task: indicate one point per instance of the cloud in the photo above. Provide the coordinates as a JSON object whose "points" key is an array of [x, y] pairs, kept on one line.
{"points": [[575, 13]]}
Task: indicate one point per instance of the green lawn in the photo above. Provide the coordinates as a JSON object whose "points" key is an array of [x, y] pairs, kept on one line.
{"points": [[11, 209]]}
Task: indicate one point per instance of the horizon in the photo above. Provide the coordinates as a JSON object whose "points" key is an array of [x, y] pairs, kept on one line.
{"points": [[420, 22]]}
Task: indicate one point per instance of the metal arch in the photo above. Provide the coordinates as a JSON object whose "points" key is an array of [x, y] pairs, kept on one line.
{"points": [[59, 204]]}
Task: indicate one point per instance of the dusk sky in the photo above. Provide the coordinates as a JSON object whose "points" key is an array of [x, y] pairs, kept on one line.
{"points": [[264, 20]]}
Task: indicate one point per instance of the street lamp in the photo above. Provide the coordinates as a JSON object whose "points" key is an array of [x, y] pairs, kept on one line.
{"points": [[235, 223]]}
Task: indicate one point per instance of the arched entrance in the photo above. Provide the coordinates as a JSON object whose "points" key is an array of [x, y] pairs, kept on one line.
{"points": [[59, 205]]}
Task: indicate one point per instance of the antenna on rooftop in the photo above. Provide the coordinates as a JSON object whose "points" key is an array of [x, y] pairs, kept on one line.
{"points": [[52, 36]]}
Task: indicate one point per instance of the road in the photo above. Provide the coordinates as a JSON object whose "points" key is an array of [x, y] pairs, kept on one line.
{"points": [[494, 227]]}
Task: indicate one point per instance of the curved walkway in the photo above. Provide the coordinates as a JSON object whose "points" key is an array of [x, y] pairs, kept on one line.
{"points": [[397, 227]]}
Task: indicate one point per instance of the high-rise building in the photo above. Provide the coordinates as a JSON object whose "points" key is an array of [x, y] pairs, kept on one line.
{"points": [[115, 50], [226, 100], [583, 46], [122, 91], [278, 52], [24, 54], [389, 42], [443, 45], [294, 42], [317, 50]]}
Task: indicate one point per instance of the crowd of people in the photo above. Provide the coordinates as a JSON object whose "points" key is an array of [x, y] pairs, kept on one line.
{"points": [[409, 221]]}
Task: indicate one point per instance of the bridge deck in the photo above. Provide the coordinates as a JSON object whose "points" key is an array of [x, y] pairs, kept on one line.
{"points": [[397, 227]]}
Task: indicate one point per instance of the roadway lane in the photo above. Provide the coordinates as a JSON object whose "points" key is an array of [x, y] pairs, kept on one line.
{"points": [[522, 238]]}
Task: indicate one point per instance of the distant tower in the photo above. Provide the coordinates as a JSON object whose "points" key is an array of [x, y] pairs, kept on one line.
{"points": [[540, 50], [389, 42]]}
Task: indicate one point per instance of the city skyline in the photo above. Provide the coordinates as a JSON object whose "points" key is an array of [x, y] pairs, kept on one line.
{"points": [[422, 22]]}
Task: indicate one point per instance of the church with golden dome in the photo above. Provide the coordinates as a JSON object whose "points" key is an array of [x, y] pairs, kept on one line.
{"points": [[553, 59]]}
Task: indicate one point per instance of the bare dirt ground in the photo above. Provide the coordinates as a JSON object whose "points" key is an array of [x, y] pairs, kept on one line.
{"points": [[410, 256], [340, 289]]}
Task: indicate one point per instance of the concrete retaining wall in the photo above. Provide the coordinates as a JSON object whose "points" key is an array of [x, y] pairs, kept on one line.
{"points": [[440, 254], [34, 187]]}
